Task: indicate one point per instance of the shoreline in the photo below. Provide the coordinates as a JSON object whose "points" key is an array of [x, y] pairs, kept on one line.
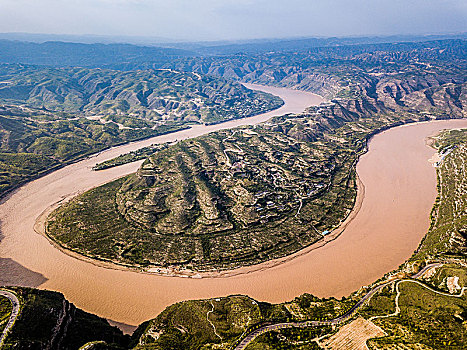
{"points": [[40, 221], [39, 228]]}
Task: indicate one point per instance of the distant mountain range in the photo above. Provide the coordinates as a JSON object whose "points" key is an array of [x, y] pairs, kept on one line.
{"points": [[291, 42], [85, 39], [305, 44], [56, 53], [110, 52]]}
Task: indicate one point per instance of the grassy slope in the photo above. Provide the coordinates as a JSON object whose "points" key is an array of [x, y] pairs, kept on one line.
{"points": [[426, 319], [36, 141], [134, 98], [5, 312], [47, 319], [129, 157], [184, 325], [448, 230]]}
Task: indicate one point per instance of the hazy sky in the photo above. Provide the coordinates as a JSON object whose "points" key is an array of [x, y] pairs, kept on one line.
{"points": [[233, 19]]}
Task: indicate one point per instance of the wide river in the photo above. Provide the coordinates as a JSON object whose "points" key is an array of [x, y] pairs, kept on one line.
{"points": [[400, 188]]}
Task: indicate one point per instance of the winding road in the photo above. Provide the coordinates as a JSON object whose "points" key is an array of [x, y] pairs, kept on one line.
{"points": [[398, 309], [335, 321], [14, 313], [212, 324]]}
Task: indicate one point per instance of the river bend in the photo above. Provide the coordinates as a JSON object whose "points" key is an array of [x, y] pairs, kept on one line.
{"points": [[400, 188]]}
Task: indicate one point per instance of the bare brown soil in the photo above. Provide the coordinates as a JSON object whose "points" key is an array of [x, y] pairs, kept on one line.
{"points": [[353, 336]]}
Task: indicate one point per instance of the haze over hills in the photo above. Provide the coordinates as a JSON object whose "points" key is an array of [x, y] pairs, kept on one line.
{"points": [[115, 54], [62, 54], [85, 39], [305, 44], [280, 42]]}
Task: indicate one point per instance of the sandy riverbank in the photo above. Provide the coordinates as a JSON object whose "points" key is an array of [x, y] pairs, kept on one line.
{"points": [[39, 227]]}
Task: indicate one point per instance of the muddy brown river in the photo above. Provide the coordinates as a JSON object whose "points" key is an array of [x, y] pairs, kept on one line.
{"points": [[400, 188]]}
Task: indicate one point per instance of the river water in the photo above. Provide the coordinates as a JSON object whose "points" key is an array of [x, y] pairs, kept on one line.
{"points": [[400, 188]]}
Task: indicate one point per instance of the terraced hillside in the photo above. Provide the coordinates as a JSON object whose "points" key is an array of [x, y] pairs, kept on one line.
{"points": [[427, 78], [428, 313], [344, 71], [231, 197], [224, 200], [219, 323], [448, 231], [34, 141]]}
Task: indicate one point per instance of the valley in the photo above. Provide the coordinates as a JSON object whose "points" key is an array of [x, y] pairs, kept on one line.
{"points": [[223, 214], [51, 117]]}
